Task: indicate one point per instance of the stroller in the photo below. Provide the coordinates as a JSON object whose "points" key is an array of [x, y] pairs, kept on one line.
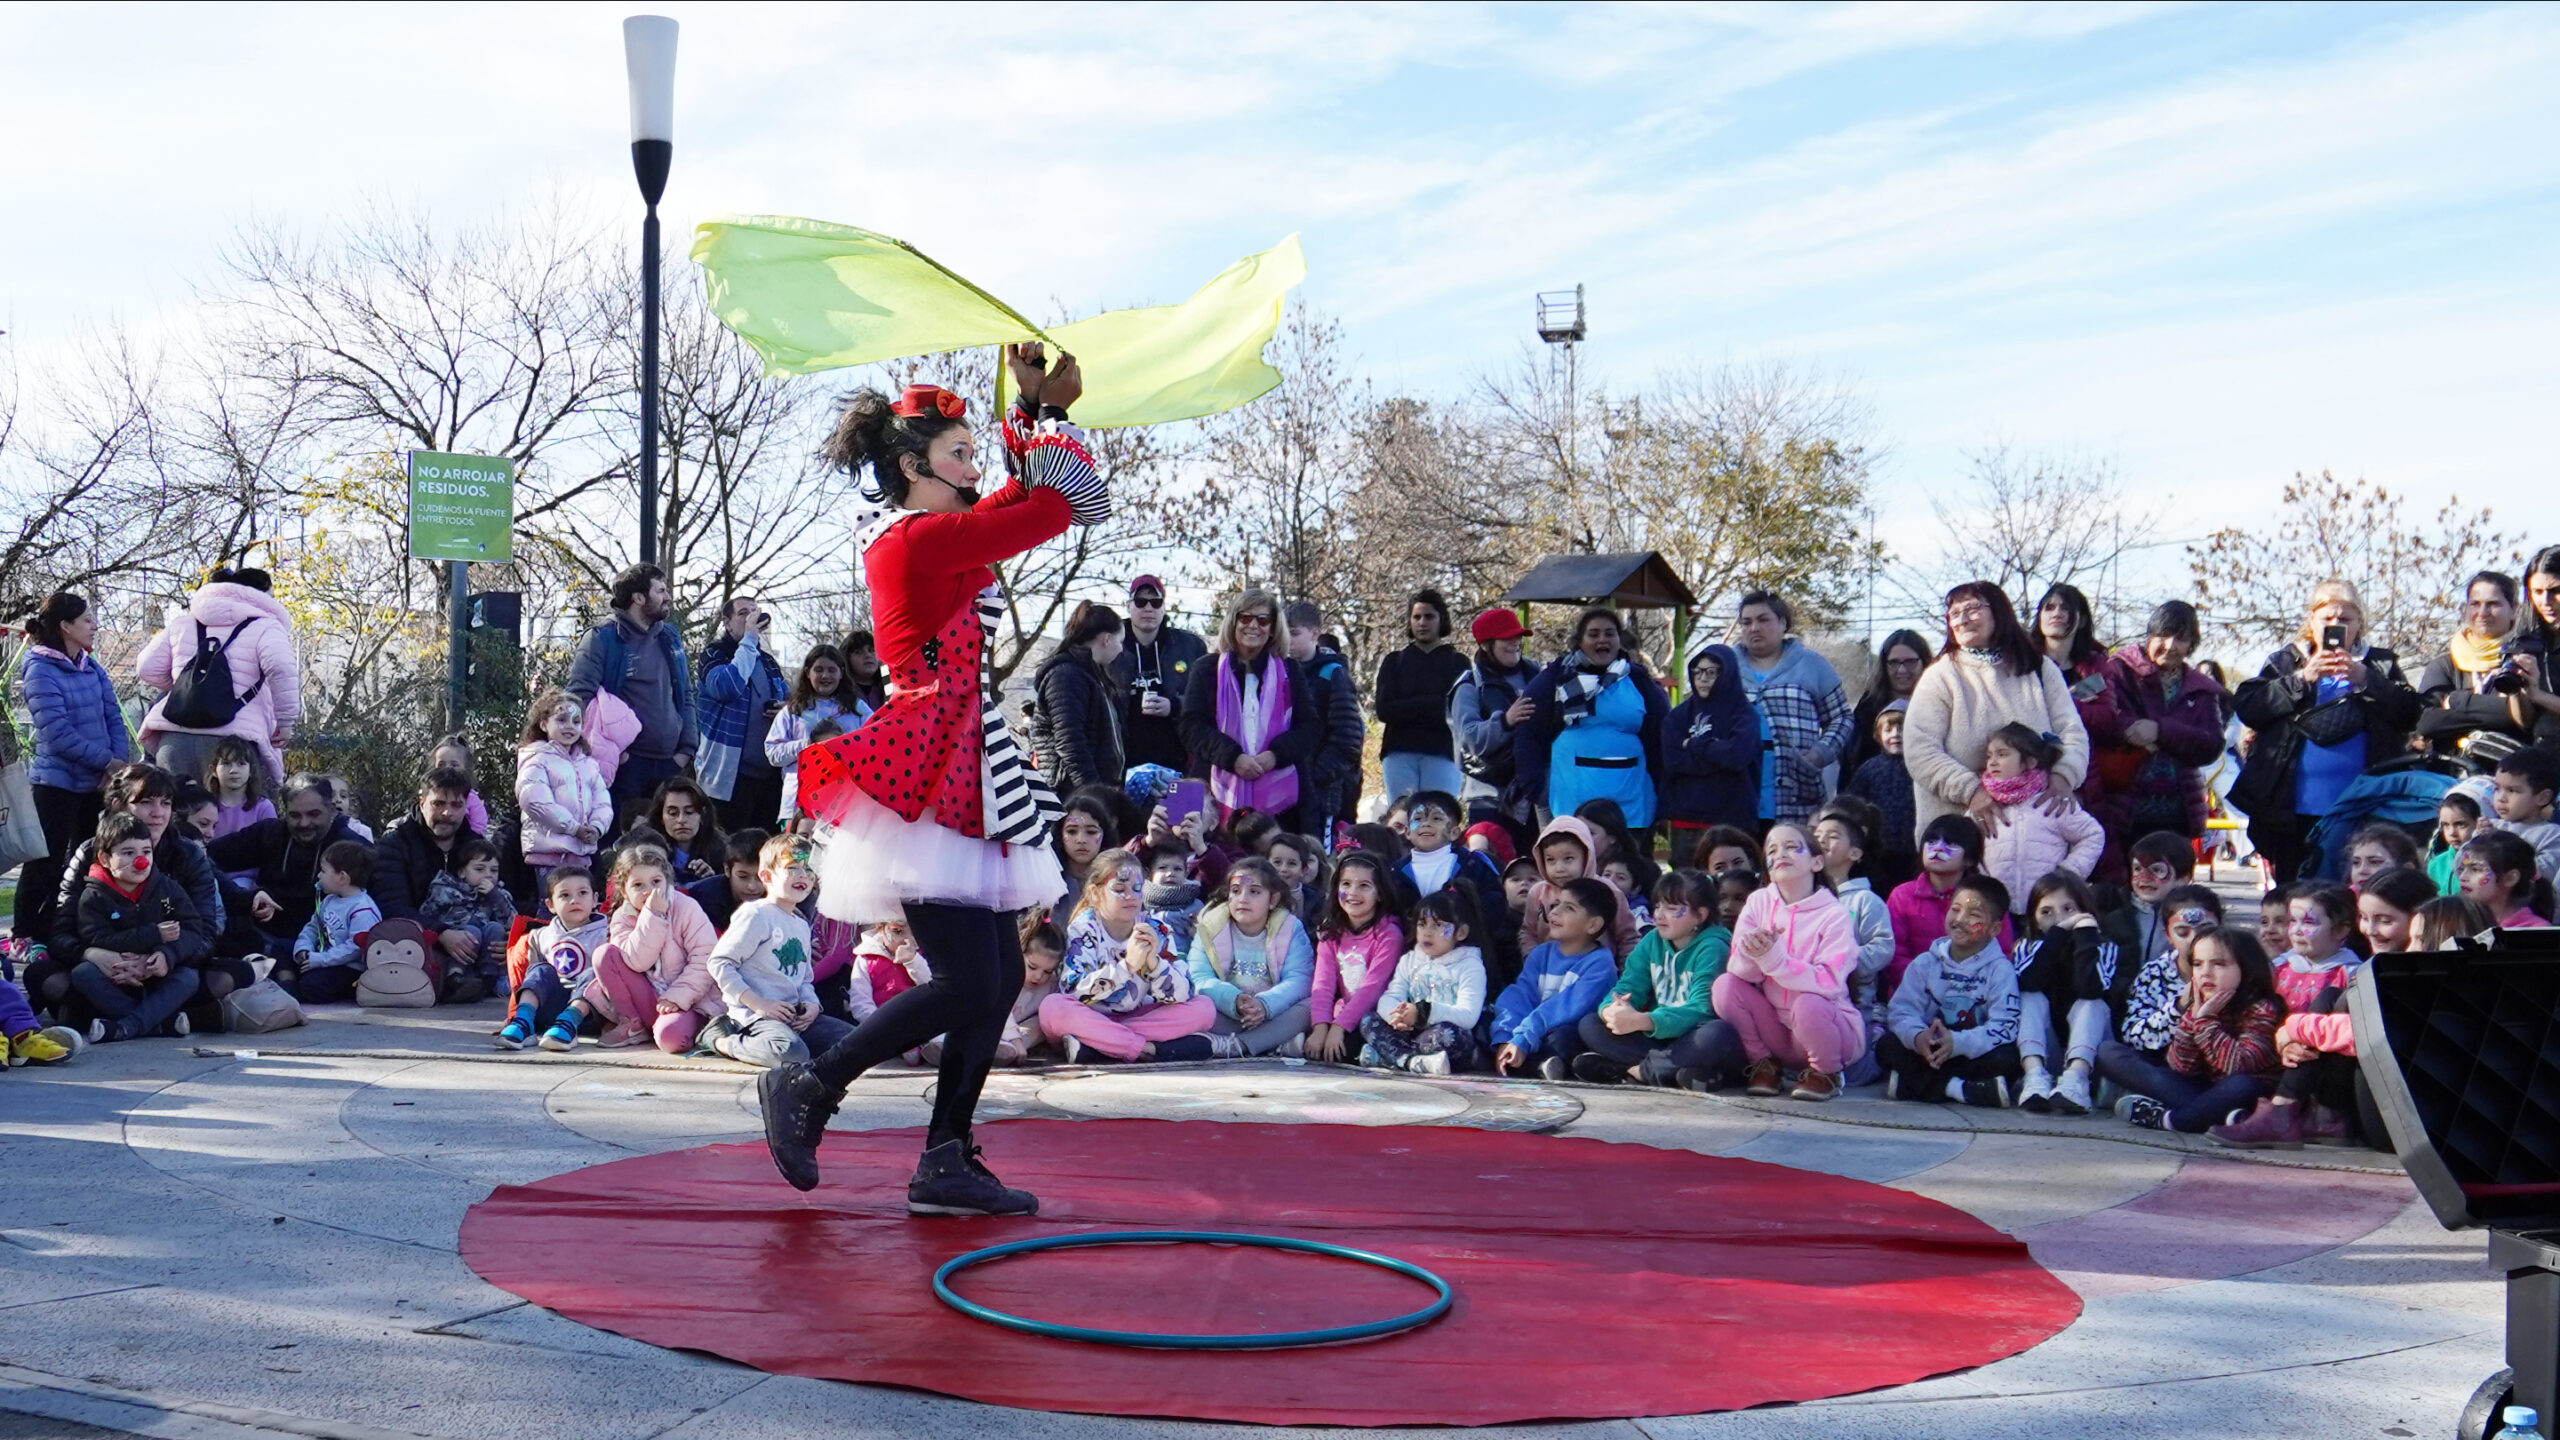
{"points": [[2404, 792]]}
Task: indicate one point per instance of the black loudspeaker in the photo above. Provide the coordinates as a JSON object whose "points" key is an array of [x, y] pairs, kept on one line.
{"points": [[2461, 1049], [499, 610]]}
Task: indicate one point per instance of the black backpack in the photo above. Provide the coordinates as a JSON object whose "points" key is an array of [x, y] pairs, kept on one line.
{"points": [[200, 695]]}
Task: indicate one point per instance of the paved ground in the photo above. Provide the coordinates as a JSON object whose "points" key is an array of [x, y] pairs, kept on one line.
{"points": [[208, 1244]]}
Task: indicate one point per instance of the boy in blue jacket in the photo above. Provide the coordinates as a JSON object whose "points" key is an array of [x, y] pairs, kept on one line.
{"points": [[1536, 1019]]}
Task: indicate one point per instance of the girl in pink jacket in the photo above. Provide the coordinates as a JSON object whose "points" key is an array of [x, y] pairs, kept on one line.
{"points": [[2028, 844], [1357, 945], [653, 973], [1785, 987], [562, 792]]}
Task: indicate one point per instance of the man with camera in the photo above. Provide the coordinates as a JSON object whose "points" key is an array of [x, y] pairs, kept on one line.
{"points": [[1155, 666], [742, 689]]}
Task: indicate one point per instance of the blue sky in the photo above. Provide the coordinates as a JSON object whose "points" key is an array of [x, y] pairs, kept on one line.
{"points": [[2215, 244]]}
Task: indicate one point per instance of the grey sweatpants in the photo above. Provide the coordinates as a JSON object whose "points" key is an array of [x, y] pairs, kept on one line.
{"points": [[1272, 1033], [769, 1044]]}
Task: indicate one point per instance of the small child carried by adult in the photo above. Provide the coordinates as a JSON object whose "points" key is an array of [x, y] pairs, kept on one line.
{"points": [[469, 897], [2030, 842]]}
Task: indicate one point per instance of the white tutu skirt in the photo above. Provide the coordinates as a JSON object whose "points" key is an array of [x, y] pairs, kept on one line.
{"points": [[874, 862]]}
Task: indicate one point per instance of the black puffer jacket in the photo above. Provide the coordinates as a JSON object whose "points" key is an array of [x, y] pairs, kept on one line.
{"points": [[1079, 732], [177, 858]]}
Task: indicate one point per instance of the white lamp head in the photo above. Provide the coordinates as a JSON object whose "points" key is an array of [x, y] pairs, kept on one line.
{"points": [[649, 50]]}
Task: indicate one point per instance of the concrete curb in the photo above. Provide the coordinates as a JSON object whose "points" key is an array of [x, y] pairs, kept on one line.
{"points": [[84, 1402]]}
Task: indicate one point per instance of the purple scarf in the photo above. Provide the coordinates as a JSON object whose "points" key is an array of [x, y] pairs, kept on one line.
{"points": [[1278, 790]]}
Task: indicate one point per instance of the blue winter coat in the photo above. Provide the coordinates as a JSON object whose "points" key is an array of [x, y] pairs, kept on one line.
{"points": [[80, 729]]}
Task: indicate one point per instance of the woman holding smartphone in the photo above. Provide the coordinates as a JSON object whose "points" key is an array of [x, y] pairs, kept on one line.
{"points": [[2326, 708]]}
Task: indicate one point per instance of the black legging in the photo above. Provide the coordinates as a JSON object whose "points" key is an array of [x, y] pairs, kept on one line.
{"points": [[976, 957], [68, 817]]}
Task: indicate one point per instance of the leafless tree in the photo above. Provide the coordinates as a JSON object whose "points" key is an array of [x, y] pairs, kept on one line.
{"points": [[2030, 520], [2253, 582]]}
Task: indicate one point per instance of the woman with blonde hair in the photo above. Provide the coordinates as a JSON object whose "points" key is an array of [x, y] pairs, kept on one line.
{"points": [[1250, 716], [2326, 708]]}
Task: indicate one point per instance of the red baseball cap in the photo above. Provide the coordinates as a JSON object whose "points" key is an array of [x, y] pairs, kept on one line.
{"points": [[1495, 625], [1146, 582]]}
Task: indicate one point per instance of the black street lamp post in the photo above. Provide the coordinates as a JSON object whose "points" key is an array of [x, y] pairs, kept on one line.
{"points": [[649, 50]]}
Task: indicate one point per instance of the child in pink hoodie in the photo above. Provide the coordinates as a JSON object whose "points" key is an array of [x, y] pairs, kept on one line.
{"points": [[1357, 945], [2028, 844], [1950, 849], [653, 973], [1785, 986]]}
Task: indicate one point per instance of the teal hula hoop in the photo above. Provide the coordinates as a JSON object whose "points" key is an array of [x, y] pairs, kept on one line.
{"points": [[1145, 1340]]}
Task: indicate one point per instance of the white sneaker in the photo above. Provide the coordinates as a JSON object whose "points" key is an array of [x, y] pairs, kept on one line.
{"points": [[2036, 1092], [98, 1032], [1071, 1048], [181, 1026], [2071, 1096], [1435, 1063], [1296, 1049], [1226, 1047]]}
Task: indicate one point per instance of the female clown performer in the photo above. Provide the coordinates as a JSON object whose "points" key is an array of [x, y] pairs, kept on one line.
{"points": [[931, 812]]}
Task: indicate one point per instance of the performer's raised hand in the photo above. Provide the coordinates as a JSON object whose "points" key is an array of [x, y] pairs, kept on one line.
{"points": [[1065, 384], [1027, 363]]}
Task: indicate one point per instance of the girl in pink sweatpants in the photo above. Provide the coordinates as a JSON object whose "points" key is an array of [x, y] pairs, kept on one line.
{"points": [[654, 968], [1122, 989], [1785, 987]]}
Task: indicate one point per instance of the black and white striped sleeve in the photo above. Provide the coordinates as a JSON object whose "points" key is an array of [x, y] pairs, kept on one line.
{"points": [[1059, 460]]}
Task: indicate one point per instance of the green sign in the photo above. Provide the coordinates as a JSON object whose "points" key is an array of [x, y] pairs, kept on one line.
{"points": [[461, 507]]}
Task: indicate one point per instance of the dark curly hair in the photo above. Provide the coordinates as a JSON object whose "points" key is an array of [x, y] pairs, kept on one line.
{"points": [[868, 432]]}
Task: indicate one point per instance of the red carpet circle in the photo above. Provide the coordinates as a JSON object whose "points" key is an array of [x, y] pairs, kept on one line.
{"points": [[1594, 1280]]}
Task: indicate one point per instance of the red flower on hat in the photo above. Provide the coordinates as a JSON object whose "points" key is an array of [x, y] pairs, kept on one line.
{"points": [[923, 400]]}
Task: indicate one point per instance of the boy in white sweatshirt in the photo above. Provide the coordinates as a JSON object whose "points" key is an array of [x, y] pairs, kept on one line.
{"points": [[764, 966]]}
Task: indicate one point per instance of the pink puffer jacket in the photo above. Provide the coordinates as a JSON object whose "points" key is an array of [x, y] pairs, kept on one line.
{"points": [[560, 791], [264, 657], [2032, 845], [673, 950]]}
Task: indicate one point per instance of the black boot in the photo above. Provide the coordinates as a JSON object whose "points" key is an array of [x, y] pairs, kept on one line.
{"points": [[796, 1107], [950, 1181]]}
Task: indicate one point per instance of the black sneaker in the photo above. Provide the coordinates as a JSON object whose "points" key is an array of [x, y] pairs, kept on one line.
{"points": [[950, 1181], [717, 1028], [1554, 1068], [796, 1106], [1595, 1068]]}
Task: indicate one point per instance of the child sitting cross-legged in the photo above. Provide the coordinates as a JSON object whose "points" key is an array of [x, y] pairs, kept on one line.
{"points": [[653, 977], [766, 968], [1121, 989], [2222, 1055], [2148, 1019], [562, 954], [152, 934], [1951, 1032], [1426, 1017], [1659, 1026], [328, 955], [1535, 1021], [1785, 985], [1252, 959], [1950, 849], [1568, 849]]}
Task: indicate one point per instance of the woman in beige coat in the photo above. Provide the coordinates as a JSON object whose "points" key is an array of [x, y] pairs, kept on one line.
{"points": [[1991, 672]]}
